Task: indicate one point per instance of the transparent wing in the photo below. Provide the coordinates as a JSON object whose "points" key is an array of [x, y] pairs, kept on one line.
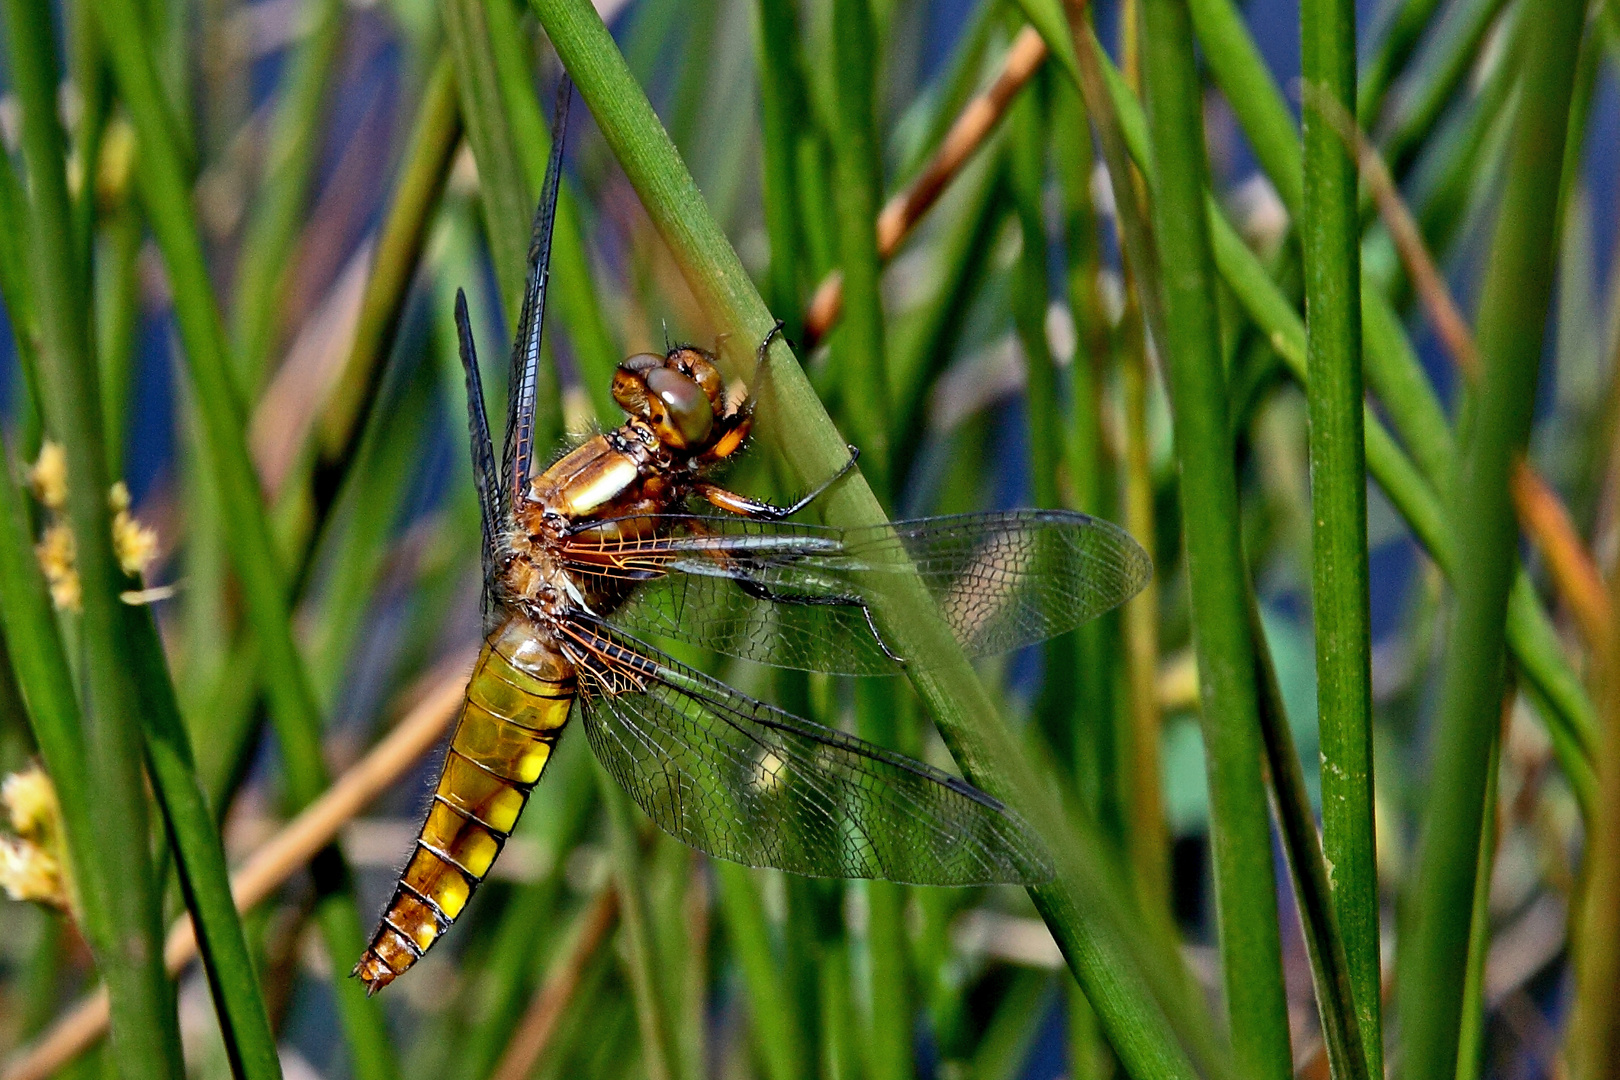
{"points": [[794, 595], [517, 451], [746, 782]]}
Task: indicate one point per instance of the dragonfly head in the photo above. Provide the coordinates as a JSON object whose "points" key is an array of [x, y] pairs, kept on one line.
{"points": [[680, 394]]}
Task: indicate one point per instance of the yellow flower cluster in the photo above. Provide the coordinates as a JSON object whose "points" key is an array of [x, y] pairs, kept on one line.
{"points": [[56, 551], [31, 863], [134, 544]]}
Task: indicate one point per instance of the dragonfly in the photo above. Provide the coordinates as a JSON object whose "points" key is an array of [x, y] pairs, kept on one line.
{"points": [[628, 535]]}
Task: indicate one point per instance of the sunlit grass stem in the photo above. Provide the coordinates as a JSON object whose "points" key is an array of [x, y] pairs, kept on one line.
{"points": [[1513, 311], [1240, 830]]}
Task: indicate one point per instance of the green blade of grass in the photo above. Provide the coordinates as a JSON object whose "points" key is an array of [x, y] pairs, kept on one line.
{"points": [[277, 210], [1240, 834], [572, 289], [1471, 1041], [1132, 974], [776, 1022], [122, 895], [1239, 70], [1513, 310], [1340, 598], [433, 141], [860, 355], [165, 194], [1331, 973], [653, 1008], [1400, 39], [20, 312], [1415, 498], [782, 105], [1396, 376]]}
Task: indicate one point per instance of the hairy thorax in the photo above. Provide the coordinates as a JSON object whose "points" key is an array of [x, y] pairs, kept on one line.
{"points": [[619, 479]]}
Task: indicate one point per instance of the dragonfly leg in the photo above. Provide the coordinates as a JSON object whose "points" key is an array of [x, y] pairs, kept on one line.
{"points": [[765, 592], [745, 506]]}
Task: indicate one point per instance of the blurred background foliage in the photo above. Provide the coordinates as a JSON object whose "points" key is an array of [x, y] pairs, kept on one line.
{"points": [[230, 234]]}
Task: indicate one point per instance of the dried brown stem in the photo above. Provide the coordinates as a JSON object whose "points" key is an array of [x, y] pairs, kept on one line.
{"points": [[539, 1023], [1545, 519], [267, 868], [969, 132]]}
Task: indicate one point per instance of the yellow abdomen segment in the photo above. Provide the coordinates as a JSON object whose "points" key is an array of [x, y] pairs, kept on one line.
{"points": [[517, 703]]}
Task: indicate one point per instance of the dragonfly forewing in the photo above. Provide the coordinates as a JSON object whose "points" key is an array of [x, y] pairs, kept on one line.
{"points": [[796, 596]]}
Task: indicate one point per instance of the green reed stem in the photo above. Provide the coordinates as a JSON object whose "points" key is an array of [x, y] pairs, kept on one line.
{"points": [[1471, 1039], [889, 1046], [1513, 311], [773, 1016], [1444, 67], [1330, 235], [861, 356], [121, 893], [1331, 972], [782, 109], [653, 1009], [1241, 73], [504, 195], [1397, 377], [1414, 497], [573, 292], [18, 289], [165, 193], [434, 137], [264, 269], [1133, 976], [1246, 897], [502, 188], [1400, 39]]}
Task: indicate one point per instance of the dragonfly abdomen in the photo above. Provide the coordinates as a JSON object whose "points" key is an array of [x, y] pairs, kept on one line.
{"points": [[517, 703]]}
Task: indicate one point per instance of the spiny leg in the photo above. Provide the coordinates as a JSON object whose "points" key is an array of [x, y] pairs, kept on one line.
{"points": [[760, 510]]}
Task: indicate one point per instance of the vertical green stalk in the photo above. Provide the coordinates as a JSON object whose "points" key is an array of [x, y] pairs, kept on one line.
{"points": [[782, 108], [573, 291], [857, 171], [889, 1053], [1245, 887], [433, 141], [1330, 237], [128, 937], [774, 1018], [1513, 311], [653, 1013], [1127, 964], [502, 189], [1330, 971], [1471, 1040], [166, 195], [264, 268]]}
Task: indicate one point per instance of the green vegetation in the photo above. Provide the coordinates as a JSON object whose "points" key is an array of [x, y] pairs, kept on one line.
{"points": [[1096, 260]]}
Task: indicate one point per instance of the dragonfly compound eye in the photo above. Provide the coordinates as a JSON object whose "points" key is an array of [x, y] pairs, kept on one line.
{"points": [[679, 408]]}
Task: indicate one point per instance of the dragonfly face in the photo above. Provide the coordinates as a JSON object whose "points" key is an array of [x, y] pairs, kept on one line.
{"points": [[625, 535]]}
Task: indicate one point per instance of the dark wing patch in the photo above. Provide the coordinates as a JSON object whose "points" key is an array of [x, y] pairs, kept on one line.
{"points": [[792, 595], [749, 783], [483, 458]]}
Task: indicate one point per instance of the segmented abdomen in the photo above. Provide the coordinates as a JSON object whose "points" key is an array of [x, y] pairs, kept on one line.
{"points": [[517, 703]]}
